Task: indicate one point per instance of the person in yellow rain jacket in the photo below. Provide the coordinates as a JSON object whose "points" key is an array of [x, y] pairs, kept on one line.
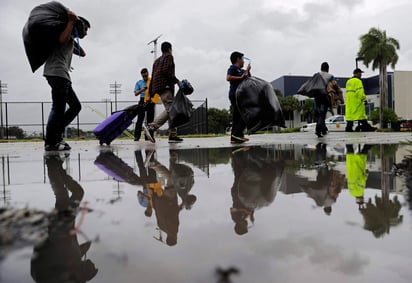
{"points": [[356, 172], [142, 90], [355, 103]]}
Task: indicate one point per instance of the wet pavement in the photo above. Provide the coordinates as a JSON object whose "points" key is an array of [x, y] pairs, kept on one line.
{"points": [[282, 208]]}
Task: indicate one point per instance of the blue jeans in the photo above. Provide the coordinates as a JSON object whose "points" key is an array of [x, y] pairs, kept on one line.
{"points": [[59, 118], [321, 109]]}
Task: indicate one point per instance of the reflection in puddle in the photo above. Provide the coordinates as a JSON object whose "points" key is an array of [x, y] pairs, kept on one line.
{"points": [[162, 187], [328, 184], [60, 257], [257, 178], [195, 209]]}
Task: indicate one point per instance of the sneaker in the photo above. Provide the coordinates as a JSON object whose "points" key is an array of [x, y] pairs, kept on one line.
{"points": [[65, 144], [175, 139], [60, 146], [319, 135], [235, 139], [149, 133]]}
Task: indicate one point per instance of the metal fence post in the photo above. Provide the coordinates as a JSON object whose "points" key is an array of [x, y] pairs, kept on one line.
{"points": [[207, 118], [7, 122], [42, 119], [78, 127]]}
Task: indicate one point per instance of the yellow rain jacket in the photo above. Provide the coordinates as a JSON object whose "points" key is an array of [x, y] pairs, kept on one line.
{"points": [[355, 100], [156, 97], [356, 173]]}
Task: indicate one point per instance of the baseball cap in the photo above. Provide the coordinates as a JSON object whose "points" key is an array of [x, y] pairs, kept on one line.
{"points": [[357, 70]]}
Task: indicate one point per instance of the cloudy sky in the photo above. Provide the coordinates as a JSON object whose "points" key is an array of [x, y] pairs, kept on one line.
{"points": [[281, 37]]}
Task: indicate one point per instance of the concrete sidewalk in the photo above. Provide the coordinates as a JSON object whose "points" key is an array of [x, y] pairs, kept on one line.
{"points": [[219, 142]]}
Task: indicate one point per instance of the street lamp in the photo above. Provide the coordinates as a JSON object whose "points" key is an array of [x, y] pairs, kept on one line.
{"points": [[358, 59], [154, 51]]}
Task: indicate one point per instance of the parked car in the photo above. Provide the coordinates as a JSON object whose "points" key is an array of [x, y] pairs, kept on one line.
{"points": [[334, 123]]}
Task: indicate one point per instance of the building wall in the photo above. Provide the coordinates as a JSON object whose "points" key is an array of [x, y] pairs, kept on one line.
{"points": [[403, 93]]}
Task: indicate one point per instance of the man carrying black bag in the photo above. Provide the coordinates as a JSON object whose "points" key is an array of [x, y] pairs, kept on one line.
{"points": [[56, 71], [235, 75], [163, 81]]}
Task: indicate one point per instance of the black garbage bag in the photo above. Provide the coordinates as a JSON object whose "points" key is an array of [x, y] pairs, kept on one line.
{"points": [[42, 30], [313, 87], [182, 178], [181, 110], [258, 105], [258, 177]]}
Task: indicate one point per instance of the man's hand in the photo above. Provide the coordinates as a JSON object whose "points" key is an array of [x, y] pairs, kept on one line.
{"points": [[72, 16], [247, 72]]}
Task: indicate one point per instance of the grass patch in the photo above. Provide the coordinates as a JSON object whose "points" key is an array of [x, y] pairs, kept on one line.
{"points": [[290, 130]]}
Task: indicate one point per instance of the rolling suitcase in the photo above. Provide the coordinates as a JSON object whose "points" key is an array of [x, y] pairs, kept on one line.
{"points": [[116, 124]]}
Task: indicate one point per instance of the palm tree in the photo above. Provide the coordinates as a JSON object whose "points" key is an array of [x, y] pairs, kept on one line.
{"points": [[380, 50]]}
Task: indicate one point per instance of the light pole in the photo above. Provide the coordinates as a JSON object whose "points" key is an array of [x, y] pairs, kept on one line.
{"points": [[154, 51], [3, 90], [115, 89]]}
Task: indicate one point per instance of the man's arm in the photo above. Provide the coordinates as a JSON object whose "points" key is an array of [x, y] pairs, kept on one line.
{"points": [[136, 93], [168, 70], [360, 92], [138, 89], [65, 36], [246, 73]]}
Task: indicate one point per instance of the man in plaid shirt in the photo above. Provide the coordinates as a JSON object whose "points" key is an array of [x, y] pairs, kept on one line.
{"points": [[163, 82]]}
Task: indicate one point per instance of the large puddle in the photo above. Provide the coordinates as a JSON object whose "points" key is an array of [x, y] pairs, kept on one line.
{"points": [[258, 214]]}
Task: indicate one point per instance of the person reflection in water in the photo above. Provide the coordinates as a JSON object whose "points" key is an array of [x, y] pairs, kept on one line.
{"points": [[356, 172], [329, 182], [161, 194], [257, 179], [59, 257], [148, 180]]}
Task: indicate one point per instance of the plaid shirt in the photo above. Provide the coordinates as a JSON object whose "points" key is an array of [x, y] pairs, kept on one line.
{"points": [[163, 76]]}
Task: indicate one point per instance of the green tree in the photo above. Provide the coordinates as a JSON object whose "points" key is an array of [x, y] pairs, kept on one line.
{"points": [[380, 50], [13, 132], [288, 105], [388, 116], [278, 92], [72, 132], [308, 110], [218, 120]]}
